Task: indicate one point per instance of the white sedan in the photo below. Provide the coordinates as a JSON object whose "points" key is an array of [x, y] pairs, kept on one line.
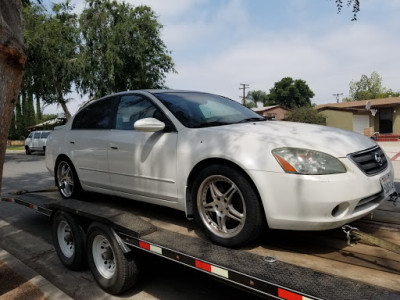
{"points": [[220, 162]]}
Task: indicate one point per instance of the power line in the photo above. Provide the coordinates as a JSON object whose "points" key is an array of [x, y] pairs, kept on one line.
{"points": [[244, 87]]}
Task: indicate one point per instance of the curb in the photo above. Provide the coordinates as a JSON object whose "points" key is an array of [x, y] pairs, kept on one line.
{"points": [[49, 290]]}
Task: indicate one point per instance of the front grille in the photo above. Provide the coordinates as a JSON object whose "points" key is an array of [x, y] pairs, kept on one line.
{"points": [[371, 161]]}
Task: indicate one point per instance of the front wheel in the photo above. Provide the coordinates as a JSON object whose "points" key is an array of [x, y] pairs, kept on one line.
{"points": [[67, 179], [113, 271], [226, 206]]}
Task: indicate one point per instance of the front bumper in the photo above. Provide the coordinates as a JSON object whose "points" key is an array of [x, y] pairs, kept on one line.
{"points": [[309, 202]]}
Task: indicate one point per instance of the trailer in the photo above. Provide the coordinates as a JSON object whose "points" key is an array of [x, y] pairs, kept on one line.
{"points": [[108, 233]]}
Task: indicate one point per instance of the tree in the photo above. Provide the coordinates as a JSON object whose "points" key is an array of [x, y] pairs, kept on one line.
{"points": [[290, 93], [12, 60], [306, 115], [255, 97], [39, 115], [122, 49], [12, 133], [354, 4], [52, 46], [19, 120], [369, 88]]}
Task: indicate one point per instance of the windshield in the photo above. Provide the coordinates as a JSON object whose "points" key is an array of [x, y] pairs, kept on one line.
{"points": [[195, 110]]}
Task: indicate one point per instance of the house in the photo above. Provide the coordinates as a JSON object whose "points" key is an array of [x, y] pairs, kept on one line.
{"points": [[274, 112], [50, 124], [366, 117]]}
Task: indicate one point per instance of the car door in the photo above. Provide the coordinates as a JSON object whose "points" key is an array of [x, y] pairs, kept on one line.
{"points": [[142, 164], [36, 141], [29, 140], [88, 142]]}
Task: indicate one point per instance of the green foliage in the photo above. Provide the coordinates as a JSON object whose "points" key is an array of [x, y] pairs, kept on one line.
{"points": [[388, 93], [19, 121], [306, 115], [115, 48], [28, 111], [122, 49], [47, 117], [370, 88], [254, 97], [39, 115], [366, 87], [52, 41], [291, 93], [12, 133]]}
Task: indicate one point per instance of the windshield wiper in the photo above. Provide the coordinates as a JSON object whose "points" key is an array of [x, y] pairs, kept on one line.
{"points": [[252, 120], [210, 124]]}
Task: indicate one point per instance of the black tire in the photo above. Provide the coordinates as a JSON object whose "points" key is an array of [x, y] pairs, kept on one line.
{"points": [[231, 217], [67, 179], [69, 241], [114, 272], [28, 151]]}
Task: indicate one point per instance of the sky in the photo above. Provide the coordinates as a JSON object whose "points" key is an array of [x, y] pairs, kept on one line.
{"points": [[217, 45]]}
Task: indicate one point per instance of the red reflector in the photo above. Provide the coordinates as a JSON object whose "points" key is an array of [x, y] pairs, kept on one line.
{"points": [[31, 206], [203, 266], [288, 295], [144, 245]]}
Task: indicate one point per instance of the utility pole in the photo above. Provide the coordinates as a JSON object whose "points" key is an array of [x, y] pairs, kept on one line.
{"points": [[244, 87], [337, 96]]}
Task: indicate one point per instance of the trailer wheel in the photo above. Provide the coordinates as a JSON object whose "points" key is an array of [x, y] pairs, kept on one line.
{"points": [[226, 207], [113, 271], [67, 179], [69, 241]]}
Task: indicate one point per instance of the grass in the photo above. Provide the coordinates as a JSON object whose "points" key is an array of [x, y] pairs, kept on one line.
{"points": [[15, 148]]}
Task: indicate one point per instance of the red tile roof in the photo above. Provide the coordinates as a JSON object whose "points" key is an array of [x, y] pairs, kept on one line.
{"points": [[375, 103]]}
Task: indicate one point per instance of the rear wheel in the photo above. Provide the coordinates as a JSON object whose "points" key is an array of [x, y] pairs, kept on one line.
{"points": [[226, 206], [113, 271], [69, 241], [67, 179]]}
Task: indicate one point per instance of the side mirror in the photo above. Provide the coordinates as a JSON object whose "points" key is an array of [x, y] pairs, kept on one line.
{"points": [[149, 125]]}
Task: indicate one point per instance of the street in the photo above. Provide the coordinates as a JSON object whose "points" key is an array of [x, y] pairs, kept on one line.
{"points": [[26, 234]]}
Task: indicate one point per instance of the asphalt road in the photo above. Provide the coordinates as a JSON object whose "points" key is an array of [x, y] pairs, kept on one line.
{"points": [[26, 235]]}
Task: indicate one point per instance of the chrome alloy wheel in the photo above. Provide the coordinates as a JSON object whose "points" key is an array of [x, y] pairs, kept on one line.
{"points": [[221, 206], [103, 257], [65, 239], [65, 179]]}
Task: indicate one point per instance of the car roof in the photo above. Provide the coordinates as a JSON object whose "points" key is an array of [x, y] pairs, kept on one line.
{"points": [[158, 91], [150, 91]]}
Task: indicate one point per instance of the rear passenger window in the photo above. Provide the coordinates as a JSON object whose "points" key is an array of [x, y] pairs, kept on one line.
{"points": [[97, 115], [36, 135], [45, 135]]}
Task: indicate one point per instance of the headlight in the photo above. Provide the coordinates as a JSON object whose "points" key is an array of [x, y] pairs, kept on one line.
{"points": [[307, 162]]}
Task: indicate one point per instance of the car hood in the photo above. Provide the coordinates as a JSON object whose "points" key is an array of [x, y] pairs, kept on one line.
{"points": [[274, 134]]}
